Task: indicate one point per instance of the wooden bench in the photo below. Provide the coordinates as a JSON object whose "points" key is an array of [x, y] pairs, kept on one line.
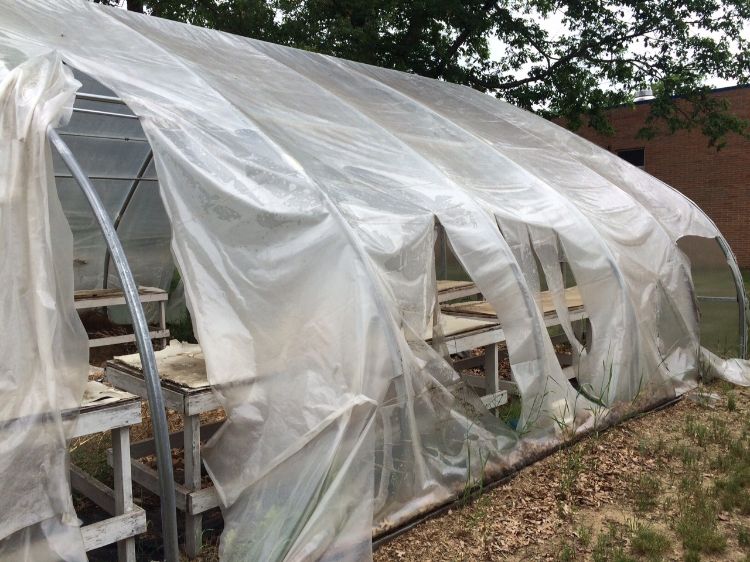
{"points": [[483, 309], [474, 324], [99, 298], [186, 390], [107, 409]]}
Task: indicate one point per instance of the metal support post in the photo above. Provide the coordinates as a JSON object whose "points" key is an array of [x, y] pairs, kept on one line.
{"points": [[145, 349], [741, 297], [121, 212]]}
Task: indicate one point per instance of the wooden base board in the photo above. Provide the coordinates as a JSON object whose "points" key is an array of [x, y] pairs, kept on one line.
{"points": [[114, 529]]}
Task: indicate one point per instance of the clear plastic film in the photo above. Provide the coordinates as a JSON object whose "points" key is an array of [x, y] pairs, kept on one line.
{"points": [[44, 348], [303, 194], [116, 156]]}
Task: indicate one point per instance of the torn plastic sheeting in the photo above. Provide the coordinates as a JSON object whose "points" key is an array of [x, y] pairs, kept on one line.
{"points": [[736, 371], [303, 222], [43, 344]]}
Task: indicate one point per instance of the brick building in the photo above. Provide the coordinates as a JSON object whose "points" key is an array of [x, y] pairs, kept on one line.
{"points": [[719, 182]]}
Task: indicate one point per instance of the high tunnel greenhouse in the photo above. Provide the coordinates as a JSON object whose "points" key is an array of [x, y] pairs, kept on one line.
{"points": [[359, 250]]}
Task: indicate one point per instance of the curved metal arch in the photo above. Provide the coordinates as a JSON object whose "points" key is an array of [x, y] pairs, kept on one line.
{"points": [[739, 286], [145, 348]]}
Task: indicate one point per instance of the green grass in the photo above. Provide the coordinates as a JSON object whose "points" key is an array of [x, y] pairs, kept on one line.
{"points": [[698, 432], [572, 464], [731, 402], [510, 412], [609, 547], [733, 489], [649, 542], [182, 330], [567, 554], [743, 537], [646, 493], [584, 535], [691, 556], [697, 522]]}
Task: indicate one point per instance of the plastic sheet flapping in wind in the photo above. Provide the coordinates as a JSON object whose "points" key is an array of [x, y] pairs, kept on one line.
{"points": [[43, 345], [303, 194]]}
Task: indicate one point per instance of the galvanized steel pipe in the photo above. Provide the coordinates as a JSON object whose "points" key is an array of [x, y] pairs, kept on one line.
{"points": [[145, 349]]}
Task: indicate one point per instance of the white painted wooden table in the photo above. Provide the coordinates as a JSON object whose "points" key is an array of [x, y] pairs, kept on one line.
{"points": [[99, 298], [474, 324], [106, 409], [186, 390]]}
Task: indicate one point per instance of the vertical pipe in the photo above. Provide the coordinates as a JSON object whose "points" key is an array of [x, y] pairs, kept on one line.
{"points": [[443, 251], [118, 217], [145, 349], [741, 297]]}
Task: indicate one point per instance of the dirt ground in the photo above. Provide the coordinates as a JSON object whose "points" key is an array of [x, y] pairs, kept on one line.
{"points": [[669, 485]]}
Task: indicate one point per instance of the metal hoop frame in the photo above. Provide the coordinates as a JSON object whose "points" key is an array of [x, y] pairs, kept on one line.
{"points": [[145, 348]]}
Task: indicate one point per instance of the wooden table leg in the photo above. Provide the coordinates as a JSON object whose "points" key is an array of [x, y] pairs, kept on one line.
{"points": [[193, 523], [123, 487], [163, 321], [491, 370]]}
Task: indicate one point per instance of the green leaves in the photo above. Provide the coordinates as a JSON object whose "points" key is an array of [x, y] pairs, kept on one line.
{"points": [[567, 58], [677, 106]]}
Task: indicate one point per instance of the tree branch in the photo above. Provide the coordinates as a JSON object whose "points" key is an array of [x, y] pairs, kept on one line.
{"points": [[570, 56], [486, 8]]}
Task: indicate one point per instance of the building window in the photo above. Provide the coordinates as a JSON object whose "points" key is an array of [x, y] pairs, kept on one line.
{"points": [[636, 156]]}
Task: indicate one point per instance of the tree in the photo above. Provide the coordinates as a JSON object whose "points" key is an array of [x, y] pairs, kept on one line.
{"points": [[567, 58], [131, 5]]}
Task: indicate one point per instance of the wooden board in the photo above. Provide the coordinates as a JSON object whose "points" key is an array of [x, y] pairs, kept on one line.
{"points": [[126, 338], [495, 400], [192, 502], [449, 290], [96, 395], [101, 494], [487, 334], [176, 440], [179, 363], [96, 298], [108, 416], [183, 399], [447, 285], [454, 326], [483, 309], [114, 529], [103, 409]]}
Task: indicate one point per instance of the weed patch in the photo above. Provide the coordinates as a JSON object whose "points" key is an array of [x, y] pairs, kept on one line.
{"points": [[609, 546], [567, 553], [696, 523], [584, 535], [696, 431], [731, 402], [649, 542], [646, 493], [743, 537]]}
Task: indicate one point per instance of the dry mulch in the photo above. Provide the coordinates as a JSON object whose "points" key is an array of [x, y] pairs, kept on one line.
{"points": [[576, 494], [563, 502]]}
